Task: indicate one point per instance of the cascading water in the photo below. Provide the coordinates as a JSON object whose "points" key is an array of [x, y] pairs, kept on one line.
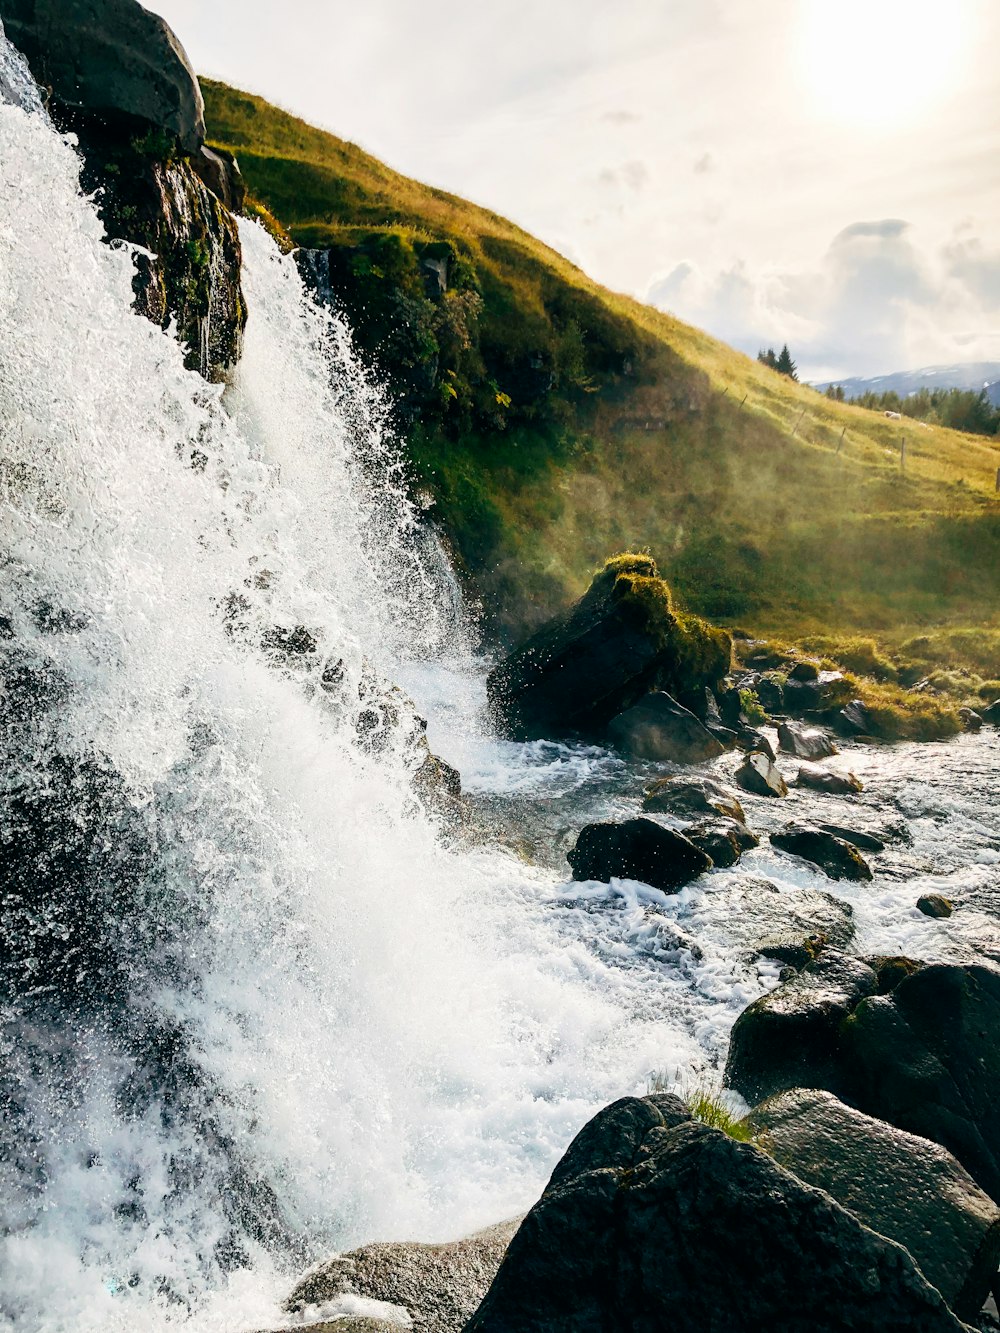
{"points": [[253, 1007]]}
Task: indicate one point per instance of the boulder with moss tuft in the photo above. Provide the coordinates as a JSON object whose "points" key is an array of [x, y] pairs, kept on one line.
{"points": [[622, 640]]}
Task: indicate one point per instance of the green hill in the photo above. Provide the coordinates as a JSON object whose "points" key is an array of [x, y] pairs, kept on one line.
{"points": [[553, 421]]}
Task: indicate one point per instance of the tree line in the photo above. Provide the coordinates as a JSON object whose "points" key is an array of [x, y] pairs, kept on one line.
{"points": [[959, 409]]}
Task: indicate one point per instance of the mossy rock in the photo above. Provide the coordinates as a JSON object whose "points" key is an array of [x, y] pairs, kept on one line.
{"points": [[621, 640]]}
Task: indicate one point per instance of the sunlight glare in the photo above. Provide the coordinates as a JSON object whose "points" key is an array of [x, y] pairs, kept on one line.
{"points": [[881, 63]]}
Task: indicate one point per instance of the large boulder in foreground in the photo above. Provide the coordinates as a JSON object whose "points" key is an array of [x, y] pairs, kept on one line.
{"points": [[439, 1285], [111, 57], [637, 849], [619, 642], [759, 775], [901, 1186], [923, 1056], [658, 728], [655, 1222]]}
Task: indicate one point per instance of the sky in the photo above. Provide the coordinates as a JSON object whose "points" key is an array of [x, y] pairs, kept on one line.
{"points": [[824, 173]]}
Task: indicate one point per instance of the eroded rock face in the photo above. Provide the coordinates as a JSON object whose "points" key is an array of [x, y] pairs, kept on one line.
{"points": [[121, 83], [835, 857], [112, 57], [619, 642], [440, 1286], [637, 849], [905, 1188], [654, 1222], [658, 728]]}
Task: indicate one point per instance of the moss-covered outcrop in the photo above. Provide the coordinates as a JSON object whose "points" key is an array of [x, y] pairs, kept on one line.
{"points": [[620, 641]]}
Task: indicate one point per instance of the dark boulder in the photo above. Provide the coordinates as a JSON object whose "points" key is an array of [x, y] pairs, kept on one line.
{"points": [[935, 904], [830, 691], [804, 742], [658, 728], [770, 690], [637, 849], [113, 58], [712, 718], [791, 1037], [676, 1226], [794, 952], [853, 719], [866, 842], [832, 784], [835, 857], [903, 1187], [991, 714], [759, 775], [748, 740], [221, 173], [692, 796], [440, 1286], [619, 642], [926, 1058], [724, 840]]}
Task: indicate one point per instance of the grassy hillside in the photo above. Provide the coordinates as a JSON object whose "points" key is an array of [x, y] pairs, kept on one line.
{"points": [[554, 421]]}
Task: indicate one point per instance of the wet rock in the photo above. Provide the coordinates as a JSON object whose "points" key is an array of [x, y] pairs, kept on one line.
{"points": [[723, 840], [770, 690], [791, 1037], [114, 58], [440, 1286], [676, 1226], [991, 714], [891, 969], [759, 775], [902, 1187], [835, 857], [748, 740], [971, 720], [659, 728], [832, 784], [221, 173], [935, 904], [830, 691], [753, 911], [712, 719], [804, 742], [692, 796], [866, 842], [619, 642], [926, 1059], [853, 719], [438, 784], [637, 849], [793, 952]]}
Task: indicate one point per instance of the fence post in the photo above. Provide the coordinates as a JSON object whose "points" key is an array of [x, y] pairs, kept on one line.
{"points": [[902, 451], [799, 422], [747, 395], [998, 481]]}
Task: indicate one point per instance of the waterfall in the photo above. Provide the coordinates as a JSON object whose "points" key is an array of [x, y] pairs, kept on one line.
{"points": [[255, 1004]]}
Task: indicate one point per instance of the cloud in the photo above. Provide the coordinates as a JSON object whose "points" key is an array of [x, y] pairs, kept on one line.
{"points": [[633, 174], [705, 164], [876, 301]]}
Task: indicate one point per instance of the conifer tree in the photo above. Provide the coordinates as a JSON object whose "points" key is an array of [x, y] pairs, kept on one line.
{"points": [[785, 365]]}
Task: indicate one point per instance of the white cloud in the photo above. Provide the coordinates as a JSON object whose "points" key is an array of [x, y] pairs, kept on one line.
{"points": [[878, 300]]}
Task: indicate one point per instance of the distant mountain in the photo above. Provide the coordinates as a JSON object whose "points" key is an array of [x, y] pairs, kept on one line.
{"points": [[965, 375]]}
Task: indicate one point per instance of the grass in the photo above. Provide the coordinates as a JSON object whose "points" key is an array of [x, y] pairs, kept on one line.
{"points": [[707, 1104], [554, 421]]}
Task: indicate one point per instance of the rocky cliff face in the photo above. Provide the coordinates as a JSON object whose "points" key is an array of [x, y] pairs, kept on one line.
{"points": [[117, 78]]}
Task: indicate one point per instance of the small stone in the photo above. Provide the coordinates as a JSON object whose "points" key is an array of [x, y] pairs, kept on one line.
{"points": [[935, 904]]}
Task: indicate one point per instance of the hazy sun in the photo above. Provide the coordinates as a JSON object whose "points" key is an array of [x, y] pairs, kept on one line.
{"points": [[881, 62]]}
